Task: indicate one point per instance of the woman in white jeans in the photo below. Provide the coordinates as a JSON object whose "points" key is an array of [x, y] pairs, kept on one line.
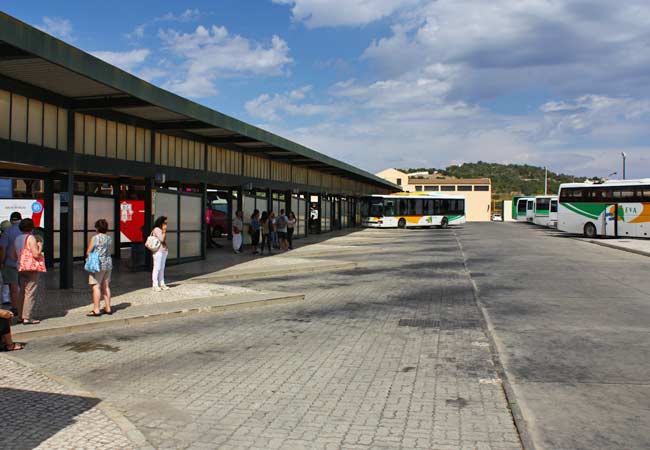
{"points": [[160, 256]]}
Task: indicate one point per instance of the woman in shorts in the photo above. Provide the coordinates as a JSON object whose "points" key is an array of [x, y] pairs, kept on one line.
{"points": [[100, 281]]}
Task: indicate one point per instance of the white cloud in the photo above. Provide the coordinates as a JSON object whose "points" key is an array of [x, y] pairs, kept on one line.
{"points": [[57, 27], [210, 53], [137, 33], [501, 45], [273, 108], [319, 13], [186, 16], [128, 61]]}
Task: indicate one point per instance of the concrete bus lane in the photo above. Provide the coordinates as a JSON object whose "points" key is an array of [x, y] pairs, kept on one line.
{"points": [[390, 354], [570, 320]]}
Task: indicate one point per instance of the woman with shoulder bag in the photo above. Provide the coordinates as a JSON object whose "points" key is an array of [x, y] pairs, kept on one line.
{"points": [[101, 244], [160, 255], [31, 262]]}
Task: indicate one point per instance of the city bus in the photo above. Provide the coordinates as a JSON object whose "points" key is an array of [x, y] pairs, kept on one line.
{"points": [[611, 208], [411, 209], [519, 205], [545, 210]]}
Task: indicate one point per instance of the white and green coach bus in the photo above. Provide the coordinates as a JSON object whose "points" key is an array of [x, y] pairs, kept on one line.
{"points": [[412, 209], [519, 206], [612, 208], [545, 210]]}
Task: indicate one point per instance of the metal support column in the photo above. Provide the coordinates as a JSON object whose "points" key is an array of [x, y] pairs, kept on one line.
{"points": [[148, 216], [269, 200], [117, 221], [48, 224], [307, 212], [67, 232], [287, 202], [319, 208], [204, 225]]}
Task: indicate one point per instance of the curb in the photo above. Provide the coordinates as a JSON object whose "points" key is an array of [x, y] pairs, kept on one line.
{"points": [[166, 315], [132, 433], [299, 269], [496, 348], [617, 247]]}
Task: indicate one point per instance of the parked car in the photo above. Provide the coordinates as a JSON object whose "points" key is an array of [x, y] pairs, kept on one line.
{"points": [[496, 217]]}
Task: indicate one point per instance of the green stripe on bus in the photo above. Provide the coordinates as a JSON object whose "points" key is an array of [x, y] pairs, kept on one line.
{"points": [[589, 210]]}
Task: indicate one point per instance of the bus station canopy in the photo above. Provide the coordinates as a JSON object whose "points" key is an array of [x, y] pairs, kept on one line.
{"points": [[56, 71]]}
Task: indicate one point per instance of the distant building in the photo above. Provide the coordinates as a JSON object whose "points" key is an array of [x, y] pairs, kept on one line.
{"points": [[477, 191]]}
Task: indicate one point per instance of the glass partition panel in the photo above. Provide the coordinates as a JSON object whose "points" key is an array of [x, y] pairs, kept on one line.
{"points": [[79, 244], [100, 208], [5, 108], [191, 213], [79, 215], [56, 243], [18, 118], [172, 244], [35, 122], [50, 126], [190, 244], [167, 205]]}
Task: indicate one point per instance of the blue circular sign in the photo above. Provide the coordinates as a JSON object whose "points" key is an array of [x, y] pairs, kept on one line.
{"points": [[37, 207]]}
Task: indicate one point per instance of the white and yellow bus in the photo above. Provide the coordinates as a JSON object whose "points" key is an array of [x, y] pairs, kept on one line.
{"points": [[612, 208], [410, 209]]}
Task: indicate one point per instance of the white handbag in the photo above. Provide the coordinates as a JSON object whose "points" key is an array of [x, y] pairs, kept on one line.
{"points": [[152, 243]]}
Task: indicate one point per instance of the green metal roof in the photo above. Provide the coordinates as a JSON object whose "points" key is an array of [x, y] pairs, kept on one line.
{"points": [[31, 40]]}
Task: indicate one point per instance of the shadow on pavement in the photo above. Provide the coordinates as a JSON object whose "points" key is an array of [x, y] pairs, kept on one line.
{"points": [[32, 417]]}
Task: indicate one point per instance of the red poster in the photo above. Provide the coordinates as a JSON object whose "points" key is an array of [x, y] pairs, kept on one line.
{"points": [[131, 220]]}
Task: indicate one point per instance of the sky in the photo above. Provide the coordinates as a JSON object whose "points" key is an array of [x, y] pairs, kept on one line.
{"points": [[395, 83]]}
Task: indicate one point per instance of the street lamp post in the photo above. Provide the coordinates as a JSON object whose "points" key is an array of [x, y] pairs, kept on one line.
{"points": [[624, 156]]}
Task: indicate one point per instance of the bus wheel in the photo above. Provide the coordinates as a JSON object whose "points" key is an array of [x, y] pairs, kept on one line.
{"points": [[444, 223], [401, 223], [590, 230]]}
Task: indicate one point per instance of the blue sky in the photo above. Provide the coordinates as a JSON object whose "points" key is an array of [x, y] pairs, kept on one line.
{"points": [[396, 83]]}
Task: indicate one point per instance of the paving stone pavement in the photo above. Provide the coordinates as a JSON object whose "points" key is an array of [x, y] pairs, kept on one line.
{"points": [[391, 355], [41, 413]]}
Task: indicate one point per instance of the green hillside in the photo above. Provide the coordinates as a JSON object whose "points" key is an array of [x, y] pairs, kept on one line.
{"points": [[507, 179]]}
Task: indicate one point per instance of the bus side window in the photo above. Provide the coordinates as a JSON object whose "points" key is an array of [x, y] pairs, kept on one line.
{"points": [[428, 207], [461, 206], [389, 208], [401, 207], [436, 207]]}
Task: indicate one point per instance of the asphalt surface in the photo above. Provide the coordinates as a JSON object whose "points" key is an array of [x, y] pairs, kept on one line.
{"points": [[395, 353], [572, 320], [390, 355]]}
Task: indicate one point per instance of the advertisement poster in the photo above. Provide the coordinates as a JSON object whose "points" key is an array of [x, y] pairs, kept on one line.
{"points": [[33, 209], [131, 220]]}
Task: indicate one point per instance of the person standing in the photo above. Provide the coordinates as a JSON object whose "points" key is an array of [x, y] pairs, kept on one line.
{"points": [[254, 229], [6, 340], [273, 229], [8, 263], [266, 233], [100, 281], [160, 256], [6, 298], [282, 223], [29, 280], [291, 226], [237, 227]]}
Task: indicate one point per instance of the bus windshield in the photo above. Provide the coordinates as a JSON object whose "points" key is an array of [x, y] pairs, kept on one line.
{"points": [[521, 206]]}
